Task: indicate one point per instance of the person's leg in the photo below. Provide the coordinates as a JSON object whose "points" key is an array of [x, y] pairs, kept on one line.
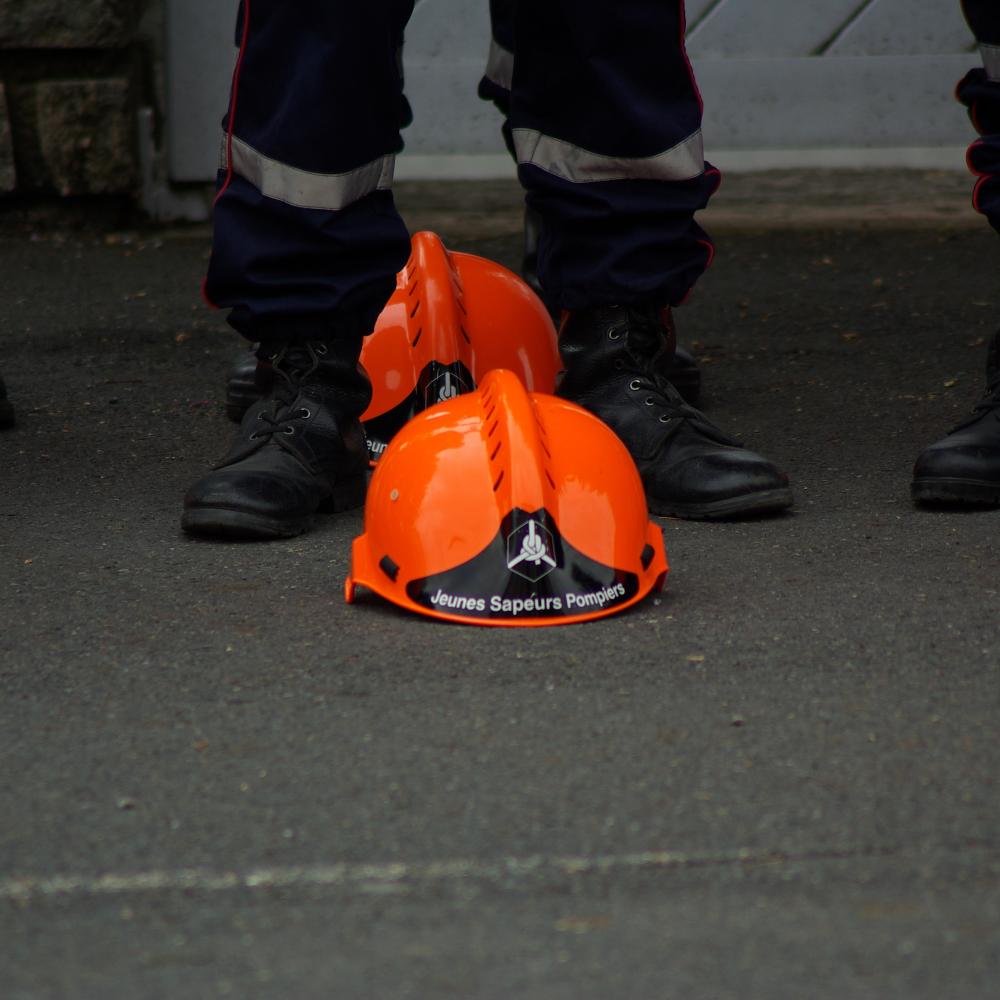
{"points": [[306, 246], [495, 84], [979, 91], [305, 229], [964, 467], [606, 123], [680, 368]]}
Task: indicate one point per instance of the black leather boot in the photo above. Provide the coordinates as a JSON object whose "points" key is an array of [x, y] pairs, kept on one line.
{"points": [[680, 367], [248, 380], [300, 449], [964, 467], [6, 410], [689, 467]]}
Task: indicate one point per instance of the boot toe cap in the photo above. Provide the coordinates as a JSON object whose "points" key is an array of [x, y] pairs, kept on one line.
{"points": [[722, 483], [959, 460], [256, 491], [963, 467], [249, 504]]}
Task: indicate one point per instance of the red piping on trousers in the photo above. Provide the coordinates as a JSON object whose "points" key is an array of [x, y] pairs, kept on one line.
{"points": [[709, 257], [717, 174], [232, 100], [707, 244], [974, 116], [983, 177], [710, 251], [714, 171], [234, 91], [968, 159], [687, 61]]}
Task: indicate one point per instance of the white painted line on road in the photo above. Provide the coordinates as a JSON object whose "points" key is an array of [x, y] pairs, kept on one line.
{"points": [[397, 876], [371, 876]]}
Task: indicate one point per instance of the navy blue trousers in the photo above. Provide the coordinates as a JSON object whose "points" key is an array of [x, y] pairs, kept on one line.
{"points": [[979, 91], [602, 110]]}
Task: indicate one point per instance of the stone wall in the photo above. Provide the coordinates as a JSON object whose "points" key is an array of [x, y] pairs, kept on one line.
{"points": [[73, 75]]}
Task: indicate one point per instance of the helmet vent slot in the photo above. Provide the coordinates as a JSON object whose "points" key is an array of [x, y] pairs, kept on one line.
{"points": [[548, 476], [465, 333], [416, 307], [420, 333], [489, 413], [413, 287], [493, 429], [542, 435], [499, 480], [496, 450]]}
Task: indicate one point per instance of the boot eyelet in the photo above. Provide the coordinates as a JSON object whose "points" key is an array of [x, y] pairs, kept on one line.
{"points": [[635, 385], [664, 419], [289, 430], [253, 437], [649, 401], [614, 334], [305, 413], [321, 350]]}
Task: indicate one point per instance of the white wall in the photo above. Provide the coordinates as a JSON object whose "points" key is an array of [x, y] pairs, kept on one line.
{"points": [[785, 82]]}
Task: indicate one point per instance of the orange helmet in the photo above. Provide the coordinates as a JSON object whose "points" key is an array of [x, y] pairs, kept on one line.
{"points": [[452, 318], [503, 507]]}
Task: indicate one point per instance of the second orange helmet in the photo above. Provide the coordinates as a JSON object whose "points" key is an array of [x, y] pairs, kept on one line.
{"points": [[452, 318]]}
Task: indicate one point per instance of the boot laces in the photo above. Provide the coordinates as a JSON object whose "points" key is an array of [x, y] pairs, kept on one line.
{"points": [[292, 363], [661, 396], [646, 346]]}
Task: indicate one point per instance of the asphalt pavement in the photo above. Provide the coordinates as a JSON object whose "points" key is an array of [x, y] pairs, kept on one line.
{"points": [[776, 779]]}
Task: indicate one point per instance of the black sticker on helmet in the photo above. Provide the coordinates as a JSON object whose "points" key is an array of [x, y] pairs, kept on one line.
{"points": [[527, 571], [436, 383]]}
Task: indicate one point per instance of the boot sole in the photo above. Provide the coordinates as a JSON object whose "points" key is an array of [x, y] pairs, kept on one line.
{"points": [[768, 501], [230, 522], [218, 522], [956, 492]]}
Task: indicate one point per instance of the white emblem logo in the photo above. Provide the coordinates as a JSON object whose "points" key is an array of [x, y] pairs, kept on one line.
{"points": [[446, 386], [530, 551]]}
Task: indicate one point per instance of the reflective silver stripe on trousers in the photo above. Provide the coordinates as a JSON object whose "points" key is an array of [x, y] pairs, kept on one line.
{"points": [[682, 162], [991, 60], [303, 188], [500, 65]]}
